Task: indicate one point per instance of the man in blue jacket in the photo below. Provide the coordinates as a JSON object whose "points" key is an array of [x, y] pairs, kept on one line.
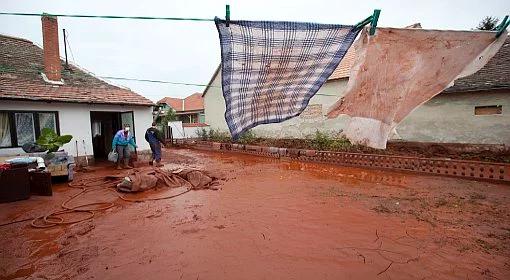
{"points": [[122, 139], [153, 136]]}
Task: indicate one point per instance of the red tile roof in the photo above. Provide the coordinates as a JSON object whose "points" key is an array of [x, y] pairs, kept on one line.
{"points": [[21, 65], [343, 69], [174, 103], [194, 102]]}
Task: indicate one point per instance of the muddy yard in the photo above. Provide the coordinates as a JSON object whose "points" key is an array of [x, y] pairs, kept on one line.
{"points": [[271, 219]]}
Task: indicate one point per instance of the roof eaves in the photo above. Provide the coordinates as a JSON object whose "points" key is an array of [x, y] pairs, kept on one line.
{"points": [[212, 79]]}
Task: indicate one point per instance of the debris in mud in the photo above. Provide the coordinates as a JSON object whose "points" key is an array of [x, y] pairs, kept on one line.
{"points": [[142, 180], [382, 209]]}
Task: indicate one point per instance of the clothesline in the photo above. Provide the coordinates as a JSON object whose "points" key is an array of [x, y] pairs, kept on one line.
{"points": [[109, 17]]}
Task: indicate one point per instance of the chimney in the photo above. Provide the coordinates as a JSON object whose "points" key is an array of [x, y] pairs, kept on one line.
{"points": [[52, 66]]}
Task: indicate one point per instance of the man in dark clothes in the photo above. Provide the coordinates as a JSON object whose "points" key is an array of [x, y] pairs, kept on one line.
{"points": [[153, 136]]}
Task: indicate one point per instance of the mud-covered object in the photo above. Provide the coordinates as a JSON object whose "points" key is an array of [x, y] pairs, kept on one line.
{"points": [[33, 148], [142, 180], [397, 70]]}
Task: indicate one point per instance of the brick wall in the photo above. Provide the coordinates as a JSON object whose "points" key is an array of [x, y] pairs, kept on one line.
{"points": [[52, 65]]}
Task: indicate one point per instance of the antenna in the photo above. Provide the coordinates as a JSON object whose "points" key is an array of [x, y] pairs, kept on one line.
{"points": [[65, 46]]}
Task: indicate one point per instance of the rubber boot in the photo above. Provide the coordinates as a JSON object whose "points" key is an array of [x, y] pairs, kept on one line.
{"points": [[118, 165], [158, 163]]}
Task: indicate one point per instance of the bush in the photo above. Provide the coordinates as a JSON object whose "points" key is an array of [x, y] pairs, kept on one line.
{"points": [[323, 141], [218, 136], [51, 141], [202, 134], [248, 137]]}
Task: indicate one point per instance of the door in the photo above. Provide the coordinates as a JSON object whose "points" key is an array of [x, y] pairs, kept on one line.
{"points": [[129, 118]]}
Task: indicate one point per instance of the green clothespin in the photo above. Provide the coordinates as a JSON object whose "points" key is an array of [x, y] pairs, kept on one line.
{"points": [[502, 26], [373, 24], [227, 14], [364, 22]]}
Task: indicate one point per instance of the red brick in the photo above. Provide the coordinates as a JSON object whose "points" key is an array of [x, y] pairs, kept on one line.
{"points": [[52, 67]]}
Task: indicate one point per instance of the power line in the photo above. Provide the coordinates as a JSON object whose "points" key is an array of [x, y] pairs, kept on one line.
{"points": [[154, 81], [108, 17], [148, 81]]}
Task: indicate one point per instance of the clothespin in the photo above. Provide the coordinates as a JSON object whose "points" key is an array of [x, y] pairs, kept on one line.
{"points": [[227, 14], [373, 24], [502, 26]]}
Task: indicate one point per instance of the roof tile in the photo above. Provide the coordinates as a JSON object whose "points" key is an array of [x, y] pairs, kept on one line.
{"points": [[21, 63]]}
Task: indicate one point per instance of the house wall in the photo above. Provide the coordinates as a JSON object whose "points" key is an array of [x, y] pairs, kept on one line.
{"points": [[74, 119], [450, 118], [447, 118], [311, 119]]}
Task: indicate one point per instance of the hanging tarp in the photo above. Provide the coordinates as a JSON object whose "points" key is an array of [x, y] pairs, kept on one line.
{"points": [[399, 69], [271, 70]]}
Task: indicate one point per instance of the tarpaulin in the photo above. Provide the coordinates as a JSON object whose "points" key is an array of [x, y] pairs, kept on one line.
{"points": [[396, 70], [271, 70]]}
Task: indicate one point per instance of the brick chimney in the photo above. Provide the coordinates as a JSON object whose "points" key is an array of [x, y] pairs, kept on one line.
{"points": [[52, 66]]}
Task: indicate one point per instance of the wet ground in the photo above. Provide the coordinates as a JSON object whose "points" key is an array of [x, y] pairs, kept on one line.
{"points": [[272, 219]]}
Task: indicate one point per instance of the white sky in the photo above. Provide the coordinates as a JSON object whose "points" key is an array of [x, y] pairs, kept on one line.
{"points": [[189, 51]]}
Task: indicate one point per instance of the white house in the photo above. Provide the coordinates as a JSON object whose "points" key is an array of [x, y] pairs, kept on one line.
{"points": [[475, 110], [38, 90]]}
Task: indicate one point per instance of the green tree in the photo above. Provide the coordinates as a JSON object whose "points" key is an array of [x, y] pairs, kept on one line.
{"points": [[488, 23], [170, 116]]}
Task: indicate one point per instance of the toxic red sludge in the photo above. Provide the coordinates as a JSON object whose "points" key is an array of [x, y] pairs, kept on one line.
{"points": [[276, 220]]}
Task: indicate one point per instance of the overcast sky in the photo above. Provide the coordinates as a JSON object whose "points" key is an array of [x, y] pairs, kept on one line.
{"points": [[189, 51]]}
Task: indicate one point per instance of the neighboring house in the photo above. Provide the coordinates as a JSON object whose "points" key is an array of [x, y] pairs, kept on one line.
{"points": [[189, 110], [475, 110], [37, 90]]}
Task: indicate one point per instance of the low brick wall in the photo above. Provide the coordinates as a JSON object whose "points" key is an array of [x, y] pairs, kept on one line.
{"points": [[445, 167]]}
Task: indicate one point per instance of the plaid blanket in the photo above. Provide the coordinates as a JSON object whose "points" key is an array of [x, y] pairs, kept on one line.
{"points": [[271, 70]]}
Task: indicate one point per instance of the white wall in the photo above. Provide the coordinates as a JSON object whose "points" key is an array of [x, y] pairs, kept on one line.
{"points": [[74, 119], [298, 127], [450, 118], [446, 118]]}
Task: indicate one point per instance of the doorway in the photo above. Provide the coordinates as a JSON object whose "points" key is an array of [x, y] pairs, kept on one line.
{"points": [[104, 125]]}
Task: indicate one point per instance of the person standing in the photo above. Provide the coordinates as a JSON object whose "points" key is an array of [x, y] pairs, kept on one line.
{"points": [[121, 141], [153, 136]]}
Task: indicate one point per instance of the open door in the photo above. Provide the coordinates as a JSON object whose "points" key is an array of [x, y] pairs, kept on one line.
{"points": [[104, 126], [128, 118]]}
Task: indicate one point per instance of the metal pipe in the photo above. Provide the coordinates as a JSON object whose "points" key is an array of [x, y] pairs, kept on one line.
{"points": [[65, 45]]}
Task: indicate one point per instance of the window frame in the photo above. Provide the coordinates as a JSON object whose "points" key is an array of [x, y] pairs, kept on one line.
{"points": [[499, 110], [37, 128]]}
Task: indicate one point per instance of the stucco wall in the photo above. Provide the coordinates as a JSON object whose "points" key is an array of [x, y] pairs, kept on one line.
{"points": [[447, 118], [297, 127], [450, 118], [74, 119]]}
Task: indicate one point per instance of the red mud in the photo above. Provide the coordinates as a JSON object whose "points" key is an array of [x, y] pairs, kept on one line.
{"points": [[273, 219], [491, 153]]}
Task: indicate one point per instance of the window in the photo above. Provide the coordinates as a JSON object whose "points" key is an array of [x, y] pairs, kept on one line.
{"points": [[488, 110], [25, 128], [5, 130], [21, 127]]}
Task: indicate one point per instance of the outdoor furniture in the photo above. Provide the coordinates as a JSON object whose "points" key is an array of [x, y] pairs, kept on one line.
{"points": [[14, 183], [40, 183]]}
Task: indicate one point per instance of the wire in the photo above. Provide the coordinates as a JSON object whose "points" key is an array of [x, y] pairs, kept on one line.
{"points": [[176, 83], [155, 81], [69, 45], [109, 17]]}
